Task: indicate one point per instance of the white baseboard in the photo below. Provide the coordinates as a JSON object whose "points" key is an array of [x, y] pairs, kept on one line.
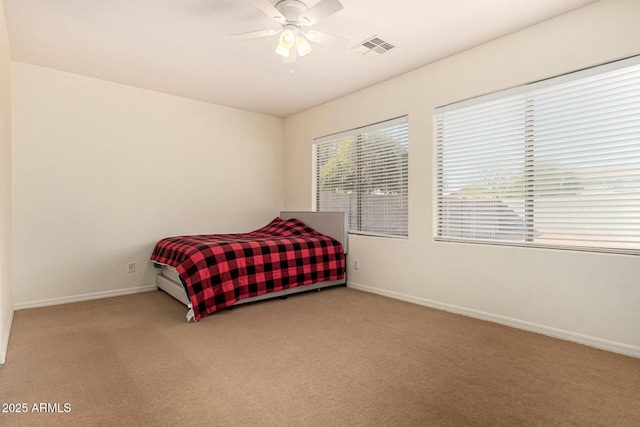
{"points": [[4, 343], [84, 297], [602, 344]]}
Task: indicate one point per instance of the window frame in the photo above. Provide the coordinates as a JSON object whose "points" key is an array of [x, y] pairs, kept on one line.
{"points": [[438, 194], [358, 133]]}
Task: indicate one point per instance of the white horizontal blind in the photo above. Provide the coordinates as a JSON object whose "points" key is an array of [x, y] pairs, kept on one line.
{"points": [[364, 172], [556, 164]]}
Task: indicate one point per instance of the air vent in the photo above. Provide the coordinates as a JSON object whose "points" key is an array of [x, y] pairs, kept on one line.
{"points": [[373, 46]]}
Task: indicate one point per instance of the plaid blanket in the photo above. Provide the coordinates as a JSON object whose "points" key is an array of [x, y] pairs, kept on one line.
{"points": [[219, 269]]}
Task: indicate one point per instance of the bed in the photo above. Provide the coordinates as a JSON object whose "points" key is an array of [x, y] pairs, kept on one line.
{"points": [[296, 252]]}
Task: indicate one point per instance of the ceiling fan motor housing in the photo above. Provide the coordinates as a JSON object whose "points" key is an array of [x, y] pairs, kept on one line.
{"points": [[291, 10]]}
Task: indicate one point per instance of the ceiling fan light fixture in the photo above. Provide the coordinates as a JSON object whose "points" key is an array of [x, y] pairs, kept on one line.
{"points": [[302, 46], [287, 39], [283, 51]]}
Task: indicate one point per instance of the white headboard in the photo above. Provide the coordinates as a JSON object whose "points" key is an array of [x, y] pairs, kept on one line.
{"points": [[333, 224]]}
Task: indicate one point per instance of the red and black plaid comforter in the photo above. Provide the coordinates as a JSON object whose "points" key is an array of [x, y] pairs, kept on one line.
{"points": [[219, 269]]}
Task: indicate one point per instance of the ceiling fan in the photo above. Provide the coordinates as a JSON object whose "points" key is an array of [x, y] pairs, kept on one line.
{"points": [[293, 16]]}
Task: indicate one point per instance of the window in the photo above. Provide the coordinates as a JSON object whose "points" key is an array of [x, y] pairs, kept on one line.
{"points": [[364, 172], [553, 164]]}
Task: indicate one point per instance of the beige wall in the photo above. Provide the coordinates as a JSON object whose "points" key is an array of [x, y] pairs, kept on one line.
{"points": [[6, 306], [101, 171], [588, 297]]}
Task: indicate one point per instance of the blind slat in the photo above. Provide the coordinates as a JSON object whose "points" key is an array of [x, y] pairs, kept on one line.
{"points": [[552, 164], [364, 172]]}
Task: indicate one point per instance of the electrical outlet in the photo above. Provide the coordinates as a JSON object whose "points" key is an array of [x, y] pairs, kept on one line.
{"points": [[356, 264], [131, 267]]}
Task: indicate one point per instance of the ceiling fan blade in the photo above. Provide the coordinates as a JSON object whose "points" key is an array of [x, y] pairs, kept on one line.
{"points": [[254, 34], [320, 11], [269, 10], [327, 39]]}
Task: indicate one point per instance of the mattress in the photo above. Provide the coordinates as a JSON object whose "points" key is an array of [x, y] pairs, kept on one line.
{"points": [[218, 270], [266, 259]]}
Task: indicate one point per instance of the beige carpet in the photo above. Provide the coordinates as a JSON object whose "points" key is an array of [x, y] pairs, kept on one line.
{"points": [[333, 358]]}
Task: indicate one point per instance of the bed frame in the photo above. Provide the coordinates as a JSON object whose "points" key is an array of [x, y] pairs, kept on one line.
{"points": [[332, 224]]}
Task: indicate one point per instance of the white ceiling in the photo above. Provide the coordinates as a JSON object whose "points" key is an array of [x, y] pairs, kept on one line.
{"points": [[182, 47]]}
